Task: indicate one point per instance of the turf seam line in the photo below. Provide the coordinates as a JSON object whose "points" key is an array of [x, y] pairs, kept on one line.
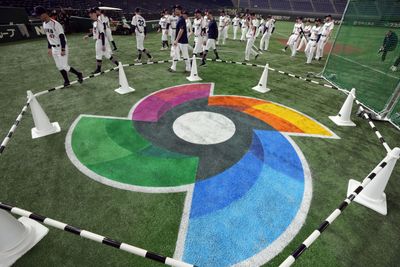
{"points": [[94, 237], [13, 128], [334, 215]]}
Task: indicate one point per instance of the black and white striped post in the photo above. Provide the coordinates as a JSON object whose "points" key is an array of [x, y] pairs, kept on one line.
{"points": [[13, 127], [324, 225], [372, 125], [94, 237]]}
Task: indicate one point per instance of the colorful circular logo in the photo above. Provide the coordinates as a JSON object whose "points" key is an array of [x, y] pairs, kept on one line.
{"points": [[248, 184]]}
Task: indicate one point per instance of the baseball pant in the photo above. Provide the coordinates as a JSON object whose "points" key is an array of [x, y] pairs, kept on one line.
{"points": [[99, 50], [293, 42], [172, 34], [61, 61], [320, 47], [181, 48], [303, 42], [310, 50], [198, 45], [140, 41], [249, 49], [109, 35], [264, 43], [164, 35], [244, 32], [235, 30]]}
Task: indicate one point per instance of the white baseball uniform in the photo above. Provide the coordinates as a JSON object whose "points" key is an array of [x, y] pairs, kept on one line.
{"points": [[98, 29], [251, 35], [139, 23], [305, 37], [164, 31], [245, 28], [312, 43], [222, 29], [235, 22], [106, 20], [295, 38], [53, 29], [269, 27], [325, 33], [198, 25], [172, 20]]}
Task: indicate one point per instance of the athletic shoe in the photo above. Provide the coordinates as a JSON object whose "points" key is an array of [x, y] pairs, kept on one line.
{"points": [[256, 56], [138, 60], [203, 64], [171, 70], [115, 49], [96, 71], [393, 68], [80, 77], [150, 59], [283, 50], [66, 84]]}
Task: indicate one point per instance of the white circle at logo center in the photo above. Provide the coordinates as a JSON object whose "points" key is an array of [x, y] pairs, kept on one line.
{"points": [[204, 128]]}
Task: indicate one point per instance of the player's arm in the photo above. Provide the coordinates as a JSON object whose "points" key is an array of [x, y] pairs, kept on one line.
{"points": [[145, 31], [178, 37], [49, 52], [63, 43]]}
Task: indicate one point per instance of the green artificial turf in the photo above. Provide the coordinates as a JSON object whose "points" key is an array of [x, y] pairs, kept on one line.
{"points": [[37, 175]]}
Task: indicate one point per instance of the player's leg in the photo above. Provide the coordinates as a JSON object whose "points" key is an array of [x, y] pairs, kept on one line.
{"points": [[288, 43], [110, 38], [197, 46], [185, 54], [139, 47], [206, 49], [175, 58], [108, 53], [99, 56], [396, 64], [149, 57], [248, 49], [234, 32], [65, 66], [214, 48], [266, 44], [225, 35], [301, 43], [60, 66], [294, 45], [262, 41]]}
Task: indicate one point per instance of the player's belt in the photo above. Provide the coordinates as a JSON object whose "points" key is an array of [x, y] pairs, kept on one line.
{"points": [[313, 40], [55, 45]]}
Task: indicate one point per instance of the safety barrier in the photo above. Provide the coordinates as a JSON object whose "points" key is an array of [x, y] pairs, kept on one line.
{"points": [[94, 237]]}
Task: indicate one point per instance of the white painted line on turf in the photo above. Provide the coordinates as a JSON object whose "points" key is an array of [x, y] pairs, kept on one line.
{"points": [[365, 66]]}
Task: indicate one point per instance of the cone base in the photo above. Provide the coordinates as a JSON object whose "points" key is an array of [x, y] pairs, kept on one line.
{"points": [[338, 121], [123, 91], [378, 205], [261, 89], [37, 133], [194, 78], [35, 233]]}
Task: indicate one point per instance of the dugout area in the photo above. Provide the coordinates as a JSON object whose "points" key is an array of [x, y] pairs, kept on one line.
{"points": [[38, 175]]}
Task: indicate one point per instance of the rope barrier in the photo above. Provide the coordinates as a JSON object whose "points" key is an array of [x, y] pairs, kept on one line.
{"points": [[13, 128], [94, 237], [372, 125], [328, 221]]}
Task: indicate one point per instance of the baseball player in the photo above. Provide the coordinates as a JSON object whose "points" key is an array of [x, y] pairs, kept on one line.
{"points": [[244, 27], [268, 30], [57, 44], [305, 35], [389, 44], [236, 25], [315, 35], [139, 28], [222, 27], [199, 26], [228, 25], [106, 21], [102, 46], [252, 23], [181, 41], [260, 29], [164, 30], [172, 20], [212, 37], [326, 32], [295, 36]]}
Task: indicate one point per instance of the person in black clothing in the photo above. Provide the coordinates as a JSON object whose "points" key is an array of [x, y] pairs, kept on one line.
{"points": [[181, 42], [389, 44], [212, 37]]}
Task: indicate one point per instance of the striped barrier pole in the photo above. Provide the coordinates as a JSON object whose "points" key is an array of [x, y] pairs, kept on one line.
{"points": [[95, 237], [13, 127], [311, 238], [98, 74], [372, 125]]}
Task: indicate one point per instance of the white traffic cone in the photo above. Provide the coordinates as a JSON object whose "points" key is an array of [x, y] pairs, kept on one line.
{"points": [[123, 82], [17, 237], [194, 76], [343, 118], [373, 196], [43, 126], [262, 84]]}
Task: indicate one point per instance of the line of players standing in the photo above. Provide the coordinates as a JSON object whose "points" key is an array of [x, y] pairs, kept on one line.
{"points": [[313, 37]]}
